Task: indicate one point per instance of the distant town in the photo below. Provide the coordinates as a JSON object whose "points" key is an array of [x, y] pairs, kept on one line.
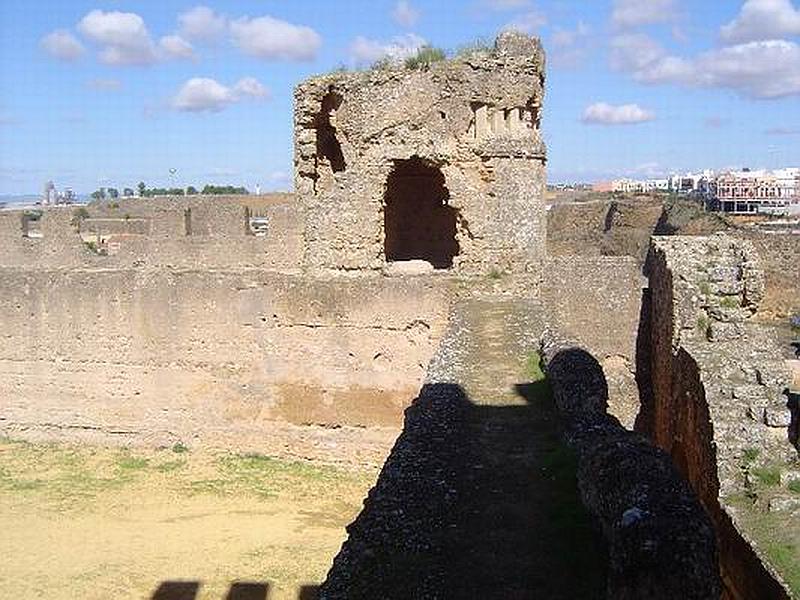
{"points": [[736, 192]]}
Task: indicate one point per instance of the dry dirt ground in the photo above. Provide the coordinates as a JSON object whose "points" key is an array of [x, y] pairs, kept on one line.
{"points": [[91, 523]]}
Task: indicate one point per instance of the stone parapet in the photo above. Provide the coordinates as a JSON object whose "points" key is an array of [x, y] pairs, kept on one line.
{"points": [[661, 542]]}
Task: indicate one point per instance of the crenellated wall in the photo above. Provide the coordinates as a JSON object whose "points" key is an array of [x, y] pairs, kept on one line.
{"points": [[178, 233]]}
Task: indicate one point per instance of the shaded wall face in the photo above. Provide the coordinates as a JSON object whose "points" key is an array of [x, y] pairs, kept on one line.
{"points": [[703, 291], [418, 221]]}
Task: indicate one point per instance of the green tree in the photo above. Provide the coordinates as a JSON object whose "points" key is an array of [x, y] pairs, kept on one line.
{"points": [[191, 191], [113, 193], [127, 192], [99, 194], [142, 188]]}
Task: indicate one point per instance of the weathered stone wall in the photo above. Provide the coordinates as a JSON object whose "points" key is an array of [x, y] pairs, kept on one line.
{"points": [[181, 233], [717, 382], [596, 301], [624, 228], [661, 543], [604, 228], [473, 119], [781, 262], [210, 357]]}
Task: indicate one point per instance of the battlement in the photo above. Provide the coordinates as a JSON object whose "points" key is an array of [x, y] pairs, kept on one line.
{"points": [[196, 232]]}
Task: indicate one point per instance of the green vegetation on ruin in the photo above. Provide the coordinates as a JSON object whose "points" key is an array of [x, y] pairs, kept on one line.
{"points": [[730, 302], [477, 46], [750, 456], [534, 368], [425, 57], [769, 475], [495, 274], [703, 324], [776, 534]]}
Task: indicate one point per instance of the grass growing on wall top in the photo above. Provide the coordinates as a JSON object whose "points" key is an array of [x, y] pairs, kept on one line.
{"points": [[534, 368]]}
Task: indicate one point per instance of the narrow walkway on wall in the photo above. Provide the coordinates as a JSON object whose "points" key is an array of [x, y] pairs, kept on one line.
{"points": [[478, 498]]}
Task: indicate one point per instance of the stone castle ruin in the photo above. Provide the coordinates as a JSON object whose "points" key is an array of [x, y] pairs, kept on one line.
{"points": [[444, 165], [388, 308]]}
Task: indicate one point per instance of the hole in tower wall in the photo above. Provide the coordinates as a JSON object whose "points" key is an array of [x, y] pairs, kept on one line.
{"points": [[419, 223], [328, 147]]}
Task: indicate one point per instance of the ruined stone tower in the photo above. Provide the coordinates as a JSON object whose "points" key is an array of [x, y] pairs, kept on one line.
{"points": [[444, 164]]}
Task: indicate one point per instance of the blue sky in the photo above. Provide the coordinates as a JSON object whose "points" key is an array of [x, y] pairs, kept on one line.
{"points": [[99, 93]]}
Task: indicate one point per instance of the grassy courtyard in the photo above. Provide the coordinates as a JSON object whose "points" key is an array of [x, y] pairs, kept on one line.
{"points": [[85, 522]]}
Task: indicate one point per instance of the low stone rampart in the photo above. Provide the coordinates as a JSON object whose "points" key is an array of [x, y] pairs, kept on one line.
{"points": [[661, 542]]}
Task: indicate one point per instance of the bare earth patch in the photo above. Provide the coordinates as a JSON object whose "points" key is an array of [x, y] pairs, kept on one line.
{"points": [[88, 522]]}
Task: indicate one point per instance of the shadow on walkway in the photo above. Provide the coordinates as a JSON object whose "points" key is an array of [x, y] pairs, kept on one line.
{"points": [[475, 501]]}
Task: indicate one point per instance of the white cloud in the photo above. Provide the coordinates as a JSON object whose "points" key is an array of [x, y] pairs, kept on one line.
{"points": [[105, 85], [123, 37], [272, 39], [174, 46], [202, 24], [250, 86], [634, 51], [764, 69], [203, 94], [769, 69], [529, 22], [607, 114], [633, 13], [364, 50], [405, 14], [763, 20], [62, 45]]}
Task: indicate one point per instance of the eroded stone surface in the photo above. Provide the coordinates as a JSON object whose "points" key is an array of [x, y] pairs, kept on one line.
{"points": [[717, 385], [444, 164]]}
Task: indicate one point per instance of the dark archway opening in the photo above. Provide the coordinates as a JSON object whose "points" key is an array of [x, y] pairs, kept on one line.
{"points": [[419, 223], [328, 145]]}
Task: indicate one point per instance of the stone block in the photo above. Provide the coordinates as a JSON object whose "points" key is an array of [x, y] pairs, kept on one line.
{"points": [[784, 504], [778, 417], [725, 332]]}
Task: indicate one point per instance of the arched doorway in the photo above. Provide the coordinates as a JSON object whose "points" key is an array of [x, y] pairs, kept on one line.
{"points": [[418, 221]]}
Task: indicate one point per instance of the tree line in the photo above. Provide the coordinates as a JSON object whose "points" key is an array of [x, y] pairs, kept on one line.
{"points": [[145, 192]]}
